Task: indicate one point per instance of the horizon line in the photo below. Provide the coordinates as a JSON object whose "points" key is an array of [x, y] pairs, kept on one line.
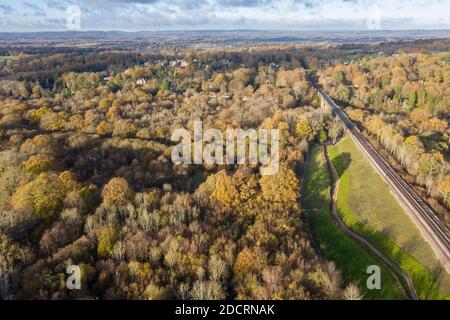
{"points": [[231, 29]]}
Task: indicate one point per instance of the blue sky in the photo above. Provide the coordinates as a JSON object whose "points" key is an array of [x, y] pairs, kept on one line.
{"points": [[134, 15]]}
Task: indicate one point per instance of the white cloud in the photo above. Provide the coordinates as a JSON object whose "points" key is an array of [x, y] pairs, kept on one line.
{"points": [[219, 14]]}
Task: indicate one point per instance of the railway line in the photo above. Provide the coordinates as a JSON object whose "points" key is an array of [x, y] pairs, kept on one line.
{"points": [[434, 231]]}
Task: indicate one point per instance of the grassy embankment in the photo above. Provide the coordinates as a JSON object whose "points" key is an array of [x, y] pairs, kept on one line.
{"points": [[3, 58], [349, 257], [367, 206]]}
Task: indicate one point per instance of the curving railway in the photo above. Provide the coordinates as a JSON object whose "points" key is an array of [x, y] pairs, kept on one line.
{"points": [[434, 231]]}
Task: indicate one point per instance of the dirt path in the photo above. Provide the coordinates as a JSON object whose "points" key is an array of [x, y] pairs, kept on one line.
{"points": [[394, 268]]}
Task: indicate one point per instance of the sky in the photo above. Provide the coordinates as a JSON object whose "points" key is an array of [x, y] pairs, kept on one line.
{"points": [[142, 15]]}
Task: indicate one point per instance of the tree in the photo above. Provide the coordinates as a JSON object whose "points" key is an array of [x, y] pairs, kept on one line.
{"points": [[105, 104], [206, 290], [246, 263], [117, 191], [430, 163], [123, 128], [413, 149], [288, 102], [322, 136], [153, 292], [355, 114], [420, 115], [342, 93], [104, 128], [272, 276], [11, 258], [352, 292], [434, 125], [106, 240], [374, 124], [335, 130], [54, 238], [280, 188], [303, 129], [40, 144], [53, 121], [443, 190], [44, 195], [328, 279], [37, 164], [413, 146], [339, 77], [217, 268], [225, 193]]}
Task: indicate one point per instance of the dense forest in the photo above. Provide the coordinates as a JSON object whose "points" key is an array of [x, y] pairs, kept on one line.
{"points": [[402, 103], [86, 176]]}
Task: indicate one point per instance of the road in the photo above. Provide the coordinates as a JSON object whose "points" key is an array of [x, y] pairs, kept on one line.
{"points": [[433, 230], [392, 266]]}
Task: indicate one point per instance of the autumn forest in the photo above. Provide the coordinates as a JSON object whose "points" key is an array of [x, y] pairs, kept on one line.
{"points": [[86, 176]]}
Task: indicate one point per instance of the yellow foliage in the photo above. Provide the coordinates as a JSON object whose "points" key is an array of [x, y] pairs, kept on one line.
{"points": [[104, 128], [444, 190], [106, 240], [53, 121], [37, 164], [375, 124], [248, 189], [105, 104], [40, 113], [69, 180], [117, 191], [113, 113], [282, 187], [124, 128], [434, 125], [39, 144], [247, 262], [77, 122], [44, 195], [419, 115], [225, 192], [355, 114], [303, 129], [140, 271]]}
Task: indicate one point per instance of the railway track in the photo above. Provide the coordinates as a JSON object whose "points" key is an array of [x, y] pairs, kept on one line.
{"points": [[433, 230]]}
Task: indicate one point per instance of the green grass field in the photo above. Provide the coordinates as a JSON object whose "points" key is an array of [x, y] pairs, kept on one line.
{"points": [[367, 206], [349, 257], [3, 58]]}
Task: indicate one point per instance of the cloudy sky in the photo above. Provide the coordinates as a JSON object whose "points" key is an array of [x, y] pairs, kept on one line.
{"points": [[134, 15]]}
